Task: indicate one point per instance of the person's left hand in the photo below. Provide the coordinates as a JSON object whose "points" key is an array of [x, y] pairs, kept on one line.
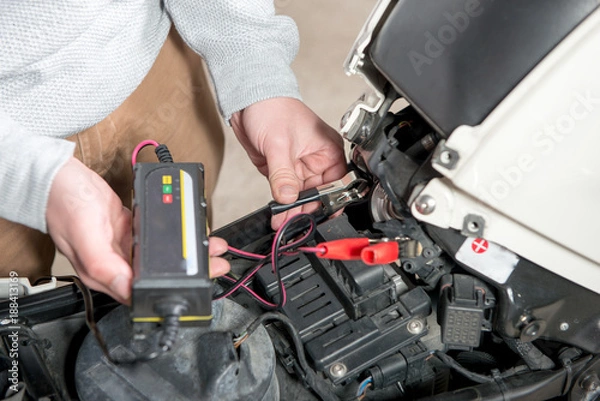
{"points": [[290, 145]]}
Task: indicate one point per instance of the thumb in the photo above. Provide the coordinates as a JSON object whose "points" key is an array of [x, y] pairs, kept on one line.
{"points": [[285, 184]]}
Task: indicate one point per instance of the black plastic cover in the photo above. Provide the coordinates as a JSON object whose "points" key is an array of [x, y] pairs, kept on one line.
{"points": [[345, 311], [462, 308], [455, 60], [170, 245], [542, 296]]}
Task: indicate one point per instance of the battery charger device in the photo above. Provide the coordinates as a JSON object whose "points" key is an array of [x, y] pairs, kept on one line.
{"points": [[171, 282]]}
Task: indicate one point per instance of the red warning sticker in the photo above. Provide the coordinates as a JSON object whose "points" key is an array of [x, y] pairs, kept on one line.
{"points": [[480, 245], [488, 258]]}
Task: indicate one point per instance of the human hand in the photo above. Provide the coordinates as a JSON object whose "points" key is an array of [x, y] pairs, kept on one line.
{"points": [[290, 145], [92, 228]]}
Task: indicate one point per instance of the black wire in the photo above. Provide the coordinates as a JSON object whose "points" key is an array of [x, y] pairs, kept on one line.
{"points": [[322, 389], [289, 326], [90, 321], [476, 377], [278, 248], [171, 310], [247, 290], [242, 279], [163, 154], [88, 302]]}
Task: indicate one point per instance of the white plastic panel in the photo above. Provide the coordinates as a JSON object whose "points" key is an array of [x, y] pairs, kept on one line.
{"points": [[532, 168]]}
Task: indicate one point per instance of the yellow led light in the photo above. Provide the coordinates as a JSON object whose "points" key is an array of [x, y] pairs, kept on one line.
{"points": [[167, 179]]}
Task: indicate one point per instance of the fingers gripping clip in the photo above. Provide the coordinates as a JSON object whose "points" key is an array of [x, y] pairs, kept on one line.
{"points": [[333, 196]]}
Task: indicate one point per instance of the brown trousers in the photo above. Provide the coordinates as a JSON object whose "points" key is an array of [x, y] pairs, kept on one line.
{"points": [[173, 105]]}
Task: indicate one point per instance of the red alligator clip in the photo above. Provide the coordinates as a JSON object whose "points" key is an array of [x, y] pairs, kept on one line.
{"points": [[381, 253], [343, 249], [371, 252]]}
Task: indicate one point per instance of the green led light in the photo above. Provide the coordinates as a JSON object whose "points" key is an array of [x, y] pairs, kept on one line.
{"points": [[167, 189]]}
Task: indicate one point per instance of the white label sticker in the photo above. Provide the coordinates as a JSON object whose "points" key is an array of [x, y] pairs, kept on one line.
{"points": [[188, 221], [489, 259]]}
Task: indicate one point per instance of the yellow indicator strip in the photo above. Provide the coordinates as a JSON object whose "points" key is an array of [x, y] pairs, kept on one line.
{"points": [[157, 319], [183, 228]]}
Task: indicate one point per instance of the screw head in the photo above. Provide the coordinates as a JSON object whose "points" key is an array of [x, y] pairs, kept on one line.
{"points": [[532, 330], [445, 157], [425, 204], [338, 369], [428, 252], [564, 326], [473, 226], [415, 326], [590, 383]]}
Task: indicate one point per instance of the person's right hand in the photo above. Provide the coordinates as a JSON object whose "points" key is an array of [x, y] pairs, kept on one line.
{"points": [[92, 228]]}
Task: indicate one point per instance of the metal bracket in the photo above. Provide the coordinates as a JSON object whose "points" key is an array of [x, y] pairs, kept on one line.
{"points": [[445, 156], [473, 226]]}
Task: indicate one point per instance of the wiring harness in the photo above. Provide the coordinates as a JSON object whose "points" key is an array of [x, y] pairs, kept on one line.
{"points": [[310, 378], [278, 249]]}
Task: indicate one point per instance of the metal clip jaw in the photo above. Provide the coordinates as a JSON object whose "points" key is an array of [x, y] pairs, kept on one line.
{"points": [[333, 196], [338, 194]]}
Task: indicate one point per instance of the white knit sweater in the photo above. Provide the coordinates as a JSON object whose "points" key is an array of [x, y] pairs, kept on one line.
{"points": [[67, 64]]}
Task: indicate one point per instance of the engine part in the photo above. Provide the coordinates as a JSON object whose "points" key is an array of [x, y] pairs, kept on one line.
{"points": [[204, 364], [346, 312], [382, 208], [531, 293], [37, 378], [587, 385], [540, 385], [464, 311], [396, 368], [170, 246], [428, 264], [533, 357]]}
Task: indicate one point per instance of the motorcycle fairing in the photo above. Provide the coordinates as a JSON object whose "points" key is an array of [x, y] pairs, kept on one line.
{"points": [[456, 60]]}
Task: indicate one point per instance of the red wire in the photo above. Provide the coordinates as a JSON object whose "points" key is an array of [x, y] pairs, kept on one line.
{"points": [[246, 254], [260, 257], [139, 147], [238, 285], [251, 292]]}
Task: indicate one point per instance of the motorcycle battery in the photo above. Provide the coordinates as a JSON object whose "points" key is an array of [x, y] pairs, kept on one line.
{"points": [[170, 244]]}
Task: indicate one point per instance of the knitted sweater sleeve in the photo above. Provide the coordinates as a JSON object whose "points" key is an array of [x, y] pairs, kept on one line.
{"points": [[28, 164], [248, 49]]}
